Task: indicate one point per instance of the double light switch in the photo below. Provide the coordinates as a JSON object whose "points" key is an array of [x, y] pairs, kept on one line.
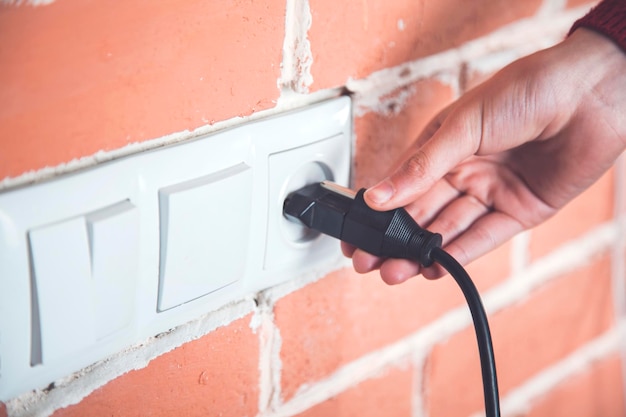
{"points": [[84, 271]]}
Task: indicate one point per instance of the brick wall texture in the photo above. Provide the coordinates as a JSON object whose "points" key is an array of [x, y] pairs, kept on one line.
{"points": [[83, 78]]}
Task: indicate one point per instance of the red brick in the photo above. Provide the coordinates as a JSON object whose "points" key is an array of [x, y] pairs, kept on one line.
{"points": [[576, 3], [596, 392], [593, 207], [386, 395], [3, 410], [528, 337], [492, 268], [381, 138], [217, 374], [78, 77], [344, 316], [351, 39]]}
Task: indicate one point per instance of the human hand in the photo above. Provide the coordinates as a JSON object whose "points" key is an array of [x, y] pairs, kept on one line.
{"points": [[510, 153]]}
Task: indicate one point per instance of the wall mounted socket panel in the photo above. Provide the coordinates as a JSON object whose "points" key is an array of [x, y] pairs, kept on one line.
{"points": [[99, 260]]}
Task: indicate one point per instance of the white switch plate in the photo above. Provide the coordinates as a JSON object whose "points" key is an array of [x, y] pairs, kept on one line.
{"points": [[101, 259]]}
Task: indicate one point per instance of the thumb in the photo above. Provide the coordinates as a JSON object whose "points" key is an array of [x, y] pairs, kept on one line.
{"points": [[458, 137]]}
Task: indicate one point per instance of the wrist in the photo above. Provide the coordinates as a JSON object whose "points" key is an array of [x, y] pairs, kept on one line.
{"points": [[591, 55], [607, 18], [600, 71]]}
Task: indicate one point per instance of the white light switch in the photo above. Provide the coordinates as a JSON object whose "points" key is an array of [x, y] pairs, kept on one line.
{"points": [[114, 248], [84, 271], [204, 231], [62, 281]]}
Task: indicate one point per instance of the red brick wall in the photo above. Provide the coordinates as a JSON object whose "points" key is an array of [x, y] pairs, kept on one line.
{"points": [[89, 80]]}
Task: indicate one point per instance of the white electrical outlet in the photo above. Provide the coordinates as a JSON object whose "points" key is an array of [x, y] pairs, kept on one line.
{"points": [[305, 153], [103, 258], [290, 244]]}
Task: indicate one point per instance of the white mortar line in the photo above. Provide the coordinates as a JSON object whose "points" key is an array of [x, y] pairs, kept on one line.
{"points": [[520, 254], [550, 7], [520, 400], [72, 389], [526, 36], [569, 257], [420, 370], [297, 56], [391, 103], [270, 364]]}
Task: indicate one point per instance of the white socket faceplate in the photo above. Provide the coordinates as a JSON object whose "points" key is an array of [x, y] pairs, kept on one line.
{"points": [[101, 259]]}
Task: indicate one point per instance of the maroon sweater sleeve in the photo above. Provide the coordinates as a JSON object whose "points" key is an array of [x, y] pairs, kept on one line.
{"points": [[607, 18]]}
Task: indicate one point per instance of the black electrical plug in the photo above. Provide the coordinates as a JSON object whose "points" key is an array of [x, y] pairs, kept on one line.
{"points": [[343, 214]]}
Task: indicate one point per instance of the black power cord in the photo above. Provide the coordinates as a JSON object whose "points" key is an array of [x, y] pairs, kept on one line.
{"points": [[481, 326], [343, 214]]}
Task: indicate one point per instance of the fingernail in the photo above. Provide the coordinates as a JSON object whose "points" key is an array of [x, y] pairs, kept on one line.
{"points": [[381, 192]]}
